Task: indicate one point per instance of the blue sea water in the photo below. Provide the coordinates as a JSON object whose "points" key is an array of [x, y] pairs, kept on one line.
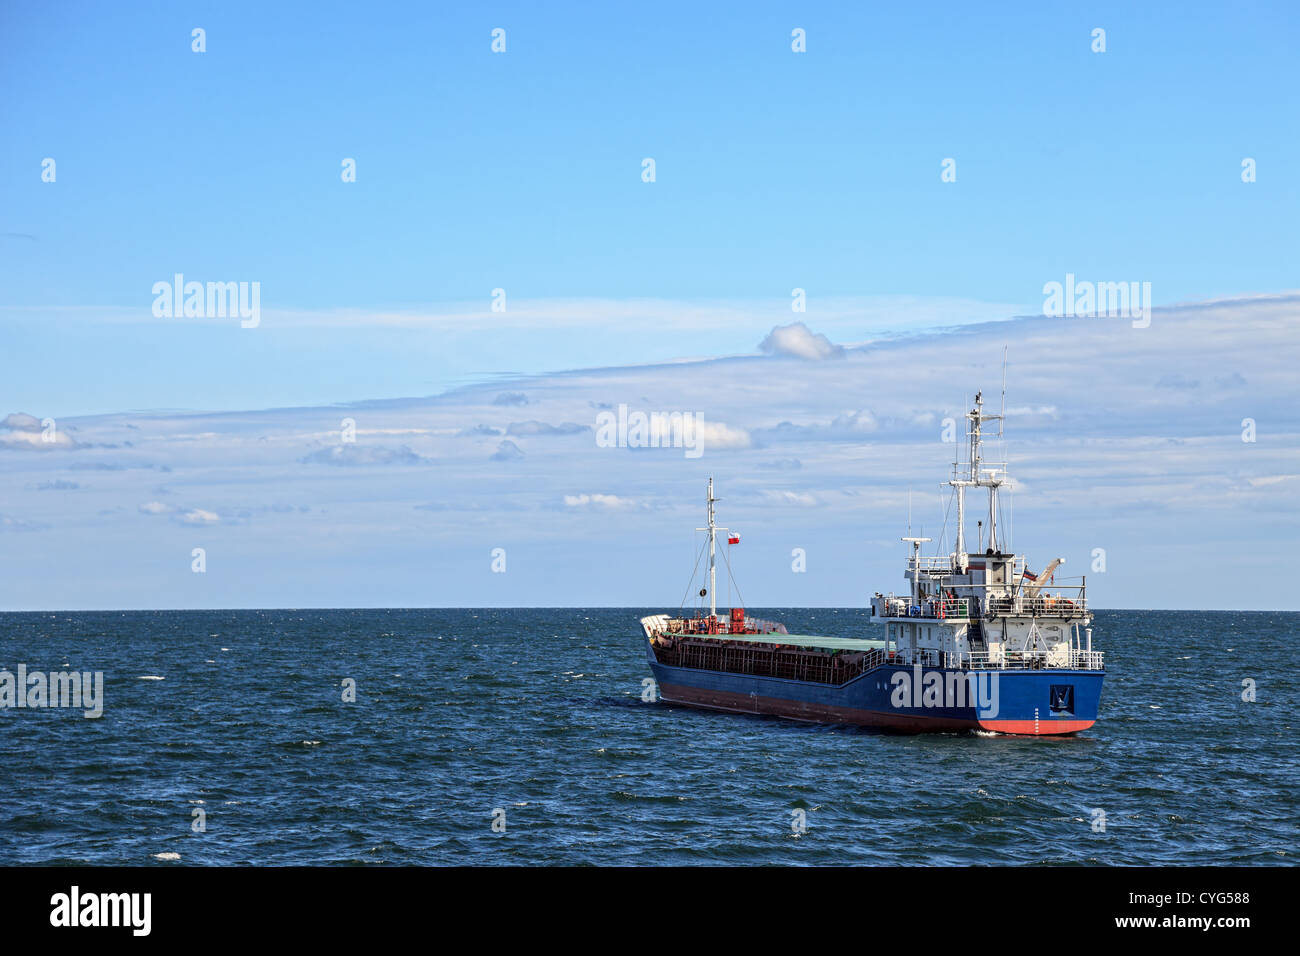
{"points": [[535, 717]]}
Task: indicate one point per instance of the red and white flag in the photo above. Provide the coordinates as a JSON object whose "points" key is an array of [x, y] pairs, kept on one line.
{"points": [[733, 538]]}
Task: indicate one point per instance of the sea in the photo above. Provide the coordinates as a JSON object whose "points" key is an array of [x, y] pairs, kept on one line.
{"points": [[532, 736]]}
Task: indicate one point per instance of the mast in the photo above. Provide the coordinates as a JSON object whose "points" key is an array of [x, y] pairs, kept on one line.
{"points": [[713, 548], [915, 563], [976, 477], [713, 530]]}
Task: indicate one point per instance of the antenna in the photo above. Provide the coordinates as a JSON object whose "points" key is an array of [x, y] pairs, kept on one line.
{"points": [[1011, 520], [1002, 412], [957, 445]]}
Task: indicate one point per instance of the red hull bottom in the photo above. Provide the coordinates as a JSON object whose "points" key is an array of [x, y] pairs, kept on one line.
{"points": [[1031, 727], [830, 714]]}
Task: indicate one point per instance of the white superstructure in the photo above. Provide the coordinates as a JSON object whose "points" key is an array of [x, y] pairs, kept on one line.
{"points": [[982, 607]]}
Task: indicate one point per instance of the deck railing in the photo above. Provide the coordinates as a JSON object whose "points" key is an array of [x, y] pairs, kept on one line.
{"points": [[1077, 660], [1087, 660], [1042, 605], [892, 606]]}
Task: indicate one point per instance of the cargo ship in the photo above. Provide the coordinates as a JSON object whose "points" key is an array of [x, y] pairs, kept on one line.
{"points": [[977, 642]]}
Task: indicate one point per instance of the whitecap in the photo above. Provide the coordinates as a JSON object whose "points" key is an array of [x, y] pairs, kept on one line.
{"points": [[150, 677], [166, 856]]}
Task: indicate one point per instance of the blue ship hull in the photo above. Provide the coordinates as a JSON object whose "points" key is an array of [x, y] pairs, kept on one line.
{"points": [[902, 698]]}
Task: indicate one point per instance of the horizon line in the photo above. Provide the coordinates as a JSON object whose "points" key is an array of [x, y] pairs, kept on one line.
{"points": [[563, 607]]}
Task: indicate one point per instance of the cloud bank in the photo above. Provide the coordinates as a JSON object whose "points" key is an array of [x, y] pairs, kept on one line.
{"points": [[1149, 444]]}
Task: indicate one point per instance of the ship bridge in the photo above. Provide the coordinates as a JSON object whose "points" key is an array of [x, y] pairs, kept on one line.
{"points": [[985, 607]]}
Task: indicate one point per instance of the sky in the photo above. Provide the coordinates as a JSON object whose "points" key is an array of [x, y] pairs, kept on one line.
{"points": [[919, 174]]}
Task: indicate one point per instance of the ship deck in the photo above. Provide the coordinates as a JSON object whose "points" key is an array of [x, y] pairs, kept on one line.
{"points": [[801, 640]]}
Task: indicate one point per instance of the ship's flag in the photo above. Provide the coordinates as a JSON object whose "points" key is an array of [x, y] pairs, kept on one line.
{"points": [[733, 538], [1030, 575]]}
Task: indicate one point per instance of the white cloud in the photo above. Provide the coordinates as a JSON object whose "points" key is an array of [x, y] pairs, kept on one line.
{"points": [[22, 431], [717, 435], [154, 508], [200, 517], [599, 502], [22, 422], [356, 454], [798, 341], [1264, 481], [786, 497]]}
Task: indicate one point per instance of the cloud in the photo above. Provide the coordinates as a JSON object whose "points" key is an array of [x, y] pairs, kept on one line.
{"points": [[859, 421], [21, 422], [1106, 461], [478, 431], [846, 426], [352, 455], [600, 502], [101, 465], [643, 318], [786, 497], [154, 508], [200, 517], [511, 398], [542, 428], [469, 506], [10, 523], [1265, 480], [712, 436], [797, 341], [57, 485], [507, 451], [22, 431]]}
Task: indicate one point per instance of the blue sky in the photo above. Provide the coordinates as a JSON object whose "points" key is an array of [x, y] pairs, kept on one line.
{"points": [[522, 171]]}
